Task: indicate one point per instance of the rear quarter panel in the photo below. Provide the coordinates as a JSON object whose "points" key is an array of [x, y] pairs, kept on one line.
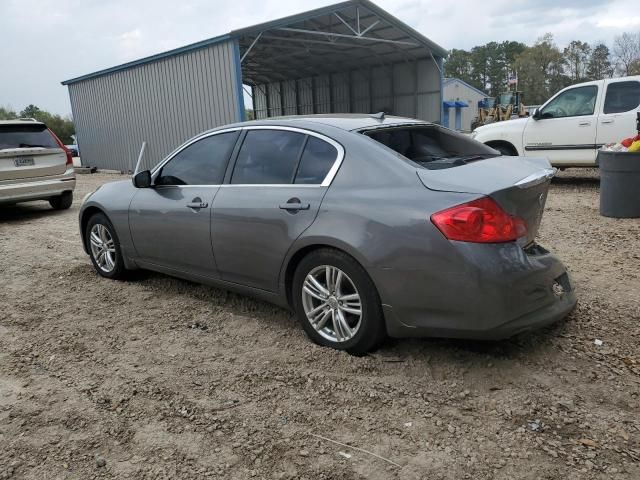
{"points": [[378, 211]]}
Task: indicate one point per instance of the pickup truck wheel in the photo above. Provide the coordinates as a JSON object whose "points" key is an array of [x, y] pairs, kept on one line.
{"points": [[505, 149]]}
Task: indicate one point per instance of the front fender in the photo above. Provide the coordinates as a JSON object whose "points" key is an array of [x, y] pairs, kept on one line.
{"points": [[113, 200], [510, 131]]}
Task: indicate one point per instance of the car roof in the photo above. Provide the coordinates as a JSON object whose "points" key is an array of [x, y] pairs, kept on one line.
{"points": [[344, 121]]}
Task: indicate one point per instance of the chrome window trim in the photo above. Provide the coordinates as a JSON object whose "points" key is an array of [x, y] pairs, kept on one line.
{"points": [[188, 143], [325, 182]]}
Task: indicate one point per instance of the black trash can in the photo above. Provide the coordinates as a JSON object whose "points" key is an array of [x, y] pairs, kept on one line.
{"points": [[619, 184]]}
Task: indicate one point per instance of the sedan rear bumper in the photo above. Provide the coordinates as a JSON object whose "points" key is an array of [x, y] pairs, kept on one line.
{"points": [[39, 188], [496, 292]]}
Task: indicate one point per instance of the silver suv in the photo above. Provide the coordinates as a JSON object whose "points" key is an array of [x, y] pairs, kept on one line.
{"points": [[34, 165]]}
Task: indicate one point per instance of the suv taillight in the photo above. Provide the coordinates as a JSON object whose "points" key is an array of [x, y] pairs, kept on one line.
{"points": [[479, 221], [69, 162]]}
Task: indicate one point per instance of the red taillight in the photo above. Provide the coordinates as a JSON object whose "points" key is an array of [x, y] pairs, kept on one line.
{"points": [[69, 161], [480, 221]]}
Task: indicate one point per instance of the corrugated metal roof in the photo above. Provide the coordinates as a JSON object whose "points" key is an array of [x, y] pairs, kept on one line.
{"points": [[255, 30]]}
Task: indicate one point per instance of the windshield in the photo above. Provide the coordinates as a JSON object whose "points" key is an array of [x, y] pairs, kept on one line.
{"points": [[26, 136], [432, 146], [507, 99]]}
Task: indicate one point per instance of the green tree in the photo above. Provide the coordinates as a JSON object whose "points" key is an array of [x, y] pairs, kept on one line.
{"points": [[7, 114], [458, 65], [541, 70], [576, 57], [599, 65], [61, 126]]}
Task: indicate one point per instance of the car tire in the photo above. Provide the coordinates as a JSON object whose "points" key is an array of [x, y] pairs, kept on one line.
{"points": [[61, 202], [334, 308], [104, 247], [505, 150]]}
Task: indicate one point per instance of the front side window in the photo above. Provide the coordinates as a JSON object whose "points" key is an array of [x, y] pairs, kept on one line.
{"points": [[268, 157], [201, 163], [575, 102], [622, 97]]}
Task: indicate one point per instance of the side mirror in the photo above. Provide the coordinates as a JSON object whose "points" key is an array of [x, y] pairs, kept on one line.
{"points": [[536, 114], [142, 179]]}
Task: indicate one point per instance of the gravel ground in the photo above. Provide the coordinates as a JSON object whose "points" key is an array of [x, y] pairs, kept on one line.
{"points": [[161, 378]]}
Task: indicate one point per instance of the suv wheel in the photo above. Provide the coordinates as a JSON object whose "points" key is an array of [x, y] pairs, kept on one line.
{"points": [[337, 303], [62, 202]]}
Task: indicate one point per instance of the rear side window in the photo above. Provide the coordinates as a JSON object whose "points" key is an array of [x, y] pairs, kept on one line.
{"points": [[26, 136], [317, 159], [622, 97], [432, 146], [268, 157], [201, 163]]}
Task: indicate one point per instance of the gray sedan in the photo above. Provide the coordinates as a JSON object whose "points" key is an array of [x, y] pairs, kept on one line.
{"points": [[366, 226]]}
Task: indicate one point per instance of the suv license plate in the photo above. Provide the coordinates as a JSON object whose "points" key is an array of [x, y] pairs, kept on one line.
{"points": [[24, 162]]}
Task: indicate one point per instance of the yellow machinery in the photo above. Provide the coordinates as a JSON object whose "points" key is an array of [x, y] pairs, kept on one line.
{"points": [[504, 107]]}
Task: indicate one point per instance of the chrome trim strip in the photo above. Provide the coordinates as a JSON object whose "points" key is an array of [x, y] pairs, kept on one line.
{"points": [[186, 144], [325, 183], [537, 178]]}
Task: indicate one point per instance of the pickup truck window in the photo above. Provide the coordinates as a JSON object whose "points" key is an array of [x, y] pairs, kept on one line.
{"points": [[622, 97], [574, 102]]}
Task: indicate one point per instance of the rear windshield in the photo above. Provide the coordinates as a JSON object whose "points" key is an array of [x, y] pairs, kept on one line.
{"points": [[26, 136], [432, 146]]}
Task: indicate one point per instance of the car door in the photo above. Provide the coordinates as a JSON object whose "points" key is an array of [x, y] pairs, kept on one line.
{"points": [[271, 196], [170, 222], [618, 118], [564, 130]]}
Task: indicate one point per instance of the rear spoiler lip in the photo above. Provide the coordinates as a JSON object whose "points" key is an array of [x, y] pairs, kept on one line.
{"points": [[537, 178]]}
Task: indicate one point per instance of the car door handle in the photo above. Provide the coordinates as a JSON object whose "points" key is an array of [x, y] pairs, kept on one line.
{"points": [[197, 205], [294, 207], [607, 121], [584, 124]]}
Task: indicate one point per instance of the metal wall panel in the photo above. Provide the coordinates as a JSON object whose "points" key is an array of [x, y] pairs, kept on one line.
{"points": [[341, 92], [164, 103], [275, 99], [305, 96], [411, 89], [457, 90], [289, 97]]}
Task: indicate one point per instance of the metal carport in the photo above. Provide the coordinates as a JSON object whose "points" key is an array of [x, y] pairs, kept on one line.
{"points": [[348, 57]]}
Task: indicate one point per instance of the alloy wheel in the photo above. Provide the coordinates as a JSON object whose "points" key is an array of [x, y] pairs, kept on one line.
{"points": [[103, 248], [332, 303]]}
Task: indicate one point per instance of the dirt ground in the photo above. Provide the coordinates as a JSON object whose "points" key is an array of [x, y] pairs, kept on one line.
{"points": [[161, 378]]}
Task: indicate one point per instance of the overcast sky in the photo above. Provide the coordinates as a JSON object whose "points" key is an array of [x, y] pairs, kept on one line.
{"points": [[47, 41]]}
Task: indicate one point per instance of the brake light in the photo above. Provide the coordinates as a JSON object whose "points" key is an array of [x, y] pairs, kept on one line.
{"points": [[479, 221], [69, 162]]}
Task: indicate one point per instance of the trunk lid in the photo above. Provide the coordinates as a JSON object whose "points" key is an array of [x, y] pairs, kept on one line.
{"points": [[27, 150], [519, 185], [16, 163]]}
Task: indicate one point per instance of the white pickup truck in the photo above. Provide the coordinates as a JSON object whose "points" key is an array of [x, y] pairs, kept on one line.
{"points": [[571, 126]]}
